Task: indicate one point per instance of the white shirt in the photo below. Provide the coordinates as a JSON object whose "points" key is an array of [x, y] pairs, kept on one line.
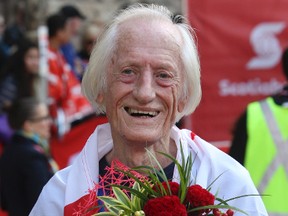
{"points": [[72, 183]]}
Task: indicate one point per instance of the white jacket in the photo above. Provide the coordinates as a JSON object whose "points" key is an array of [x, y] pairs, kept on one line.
{"points": [[73, 183]]}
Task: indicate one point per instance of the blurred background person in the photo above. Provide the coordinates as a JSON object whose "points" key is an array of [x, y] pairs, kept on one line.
{"points": [[260, 143], [67, 104], [89, 37], [18, 80], [74, 19], [26, 165]]}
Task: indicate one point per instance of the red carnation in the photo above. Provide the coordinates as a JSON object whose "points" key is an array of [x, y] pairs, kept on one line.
{"points": [[198, 197], [174, 187], [165, 206]]}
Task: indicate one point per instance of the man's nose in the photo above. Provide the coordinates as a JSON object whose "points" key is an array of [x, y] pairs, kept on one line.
{"points": [[144, 90]]}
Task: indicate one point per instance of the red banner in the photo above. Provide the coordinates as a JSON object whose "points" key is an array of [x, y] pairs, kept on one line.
{"points": [[65, 149], [240, 47]]}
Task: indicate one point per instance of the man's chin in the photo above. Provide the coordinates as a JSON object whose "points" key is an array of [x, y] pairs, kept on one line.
{"points": [[144, 136]]}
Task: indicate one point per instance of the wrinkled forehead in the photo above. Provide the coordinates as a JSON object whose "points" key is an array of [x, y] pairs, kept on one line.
{"points": [[149, 33]]}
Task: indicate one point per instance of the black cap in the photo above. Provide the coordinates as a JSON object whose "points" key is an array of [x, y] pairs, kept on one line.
{"points": [[70, 11]]}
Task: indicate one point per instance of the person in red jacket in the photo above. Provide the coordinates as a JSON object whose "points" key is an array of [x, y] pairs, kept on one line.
{"points": [[66, 101]]}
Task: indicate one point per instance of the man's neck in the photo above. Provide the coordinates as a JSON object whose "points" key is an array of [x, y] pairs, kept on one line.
{"points": [[54, 44], [137, 155]]}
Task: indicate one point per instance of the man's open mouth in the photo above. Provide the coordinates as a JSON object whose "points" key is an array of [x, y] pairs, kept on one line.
{"points": [[141, 113]]}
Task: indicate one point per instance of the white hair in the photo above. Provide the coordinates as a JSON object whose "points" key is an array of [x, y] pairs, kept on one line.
{"points": [[94, 80]]}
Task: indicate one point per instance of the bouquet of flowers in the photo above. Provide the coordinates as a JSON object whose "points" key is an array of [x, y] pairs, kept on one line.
{"points": [[152, 194]]}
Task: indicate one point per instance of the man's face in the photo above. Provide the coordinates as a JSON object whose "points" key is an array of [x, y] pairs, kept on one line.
{"points": [[144, 82], [74, 24], [64, 34]]}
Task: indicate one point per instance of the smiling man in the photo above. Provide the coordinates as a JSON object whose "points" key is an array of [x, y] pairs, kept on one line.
{"points": [[144, 74], [142, 100]]}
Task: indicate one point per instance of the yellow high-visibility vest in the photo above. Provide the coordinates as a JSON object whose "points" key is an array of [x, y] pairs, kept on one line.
{"points": [[266, 156]]}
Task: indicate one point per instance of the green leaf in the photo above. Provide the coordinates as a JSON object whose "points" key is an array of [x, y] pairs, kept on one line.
{"points": [[137, 202], [184, 171], [121, 196], [113, 204], [210, 185], [105, 214], [163, 176], [133, 191], [217, 207], [116, 208], [237, 197], [154, 175]]}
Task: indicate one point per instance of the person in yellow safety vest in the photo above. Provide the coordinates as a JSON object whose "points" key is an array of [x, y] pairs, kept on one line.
{"points": [[260, 143]]}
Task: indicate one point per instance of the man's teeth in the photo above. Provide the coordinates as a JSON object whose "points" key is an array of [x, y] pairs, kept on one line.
{"points": [[139, 112]]}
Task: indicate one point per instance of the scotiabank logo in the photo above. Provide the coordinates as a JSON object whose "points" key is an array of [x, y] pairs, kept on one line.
{"points": [[266, 45]]}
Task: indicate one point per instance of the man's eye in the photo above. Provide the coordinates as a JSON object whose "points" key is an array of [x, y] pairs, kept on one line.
{"points": [[165, 79], [127, 75], [163, 75], [127, 72]]}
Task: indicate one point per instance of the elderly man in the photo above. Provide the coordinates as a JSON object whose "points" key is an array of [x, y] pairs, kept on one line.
{"points": [[144, 74]]}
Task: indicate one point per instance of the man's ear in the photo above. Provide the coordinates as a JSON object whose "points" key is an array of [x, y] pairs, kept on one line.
{"points": [[181, 105], [100, 98]]}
